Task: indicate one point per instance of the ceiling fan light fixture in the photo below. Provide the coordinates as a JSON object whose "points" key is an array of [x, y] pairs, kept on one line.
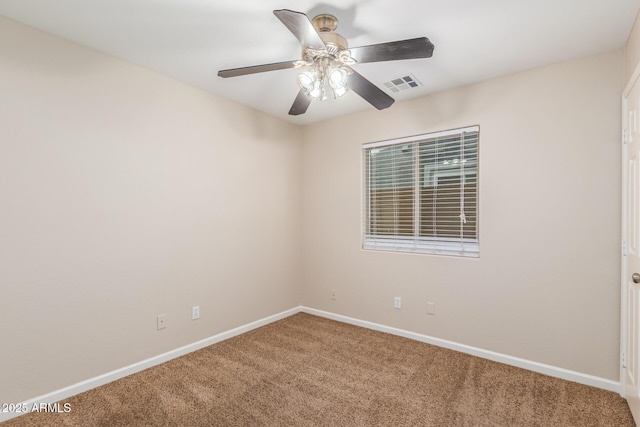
{"points": [[339, 91], [338, 78], [318, 91], [316, 77], [306, 80], [311, 83]]}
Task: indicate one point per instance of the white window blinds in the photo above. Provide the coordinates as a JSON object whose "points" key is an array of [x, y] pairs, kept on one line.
{"points": [[421, 193]]}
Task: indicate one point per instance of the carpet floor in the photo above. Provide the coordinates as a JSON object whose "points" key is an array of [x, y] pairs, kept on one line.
{"points": [[310, 371]]}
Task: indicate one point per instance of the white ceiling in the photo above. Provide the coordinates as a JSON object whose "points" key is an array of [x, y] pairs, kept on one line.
{"points": [[474, 40]]}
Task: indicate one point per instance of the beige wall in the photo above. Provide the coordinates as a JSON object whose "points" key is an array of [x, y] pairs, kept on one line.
{"points": [[125, 194], [546, 285]]}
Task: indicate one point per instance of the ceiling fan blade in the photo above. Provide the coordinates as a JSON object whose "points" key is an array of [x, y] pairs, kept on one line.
{"points": [[370, 92], [234, 72], [393, 51], [300, 105], [301, 27]]}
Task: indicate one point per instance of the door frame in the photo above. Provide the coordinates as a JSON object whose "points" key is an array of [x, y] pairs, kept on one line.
{"points": [[623, 258]]}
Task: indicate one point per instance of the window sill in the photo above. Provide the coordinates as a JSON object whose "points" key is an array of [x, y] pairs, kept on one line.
{"points": [[468, 248]]}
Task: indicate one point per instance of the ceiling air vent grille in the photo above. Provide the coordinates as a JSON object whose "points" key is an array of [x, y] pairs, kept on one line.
{"points": [[403, 83]]}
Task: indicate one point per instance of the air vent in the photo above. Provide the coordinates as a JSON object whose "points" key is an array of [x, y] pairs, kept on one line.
{"points": [[403, 83]]}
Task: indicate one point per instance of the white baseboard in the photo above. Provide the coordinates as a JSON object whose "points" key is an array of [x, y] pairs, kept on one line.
{"points": [[542, 368], [94, 382]]}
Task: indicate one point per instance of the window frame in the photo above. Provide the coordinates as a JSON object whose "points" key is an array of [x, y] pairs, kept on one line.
{"points": [[415, 243]]}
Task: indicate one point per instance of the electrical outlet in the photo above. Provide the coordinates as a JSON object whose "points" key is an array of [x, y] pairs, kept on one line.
{"points": [[162, 321], [333, 294], [397, 302], [431, 308], [195, 312]]}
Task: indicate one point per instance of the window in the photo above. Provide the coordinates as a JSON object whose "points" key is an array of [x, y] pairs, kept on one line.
{"points": [[421, 194]]}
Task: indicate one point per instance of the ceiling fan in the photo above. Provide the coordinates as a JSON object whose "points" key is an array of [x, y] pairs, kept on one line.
{"points": [[327, 60]]}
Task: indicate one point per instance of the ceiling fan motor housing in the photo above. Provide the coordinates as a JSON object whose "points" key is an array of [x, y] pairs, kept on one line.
{"points": [[326, 25]]}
